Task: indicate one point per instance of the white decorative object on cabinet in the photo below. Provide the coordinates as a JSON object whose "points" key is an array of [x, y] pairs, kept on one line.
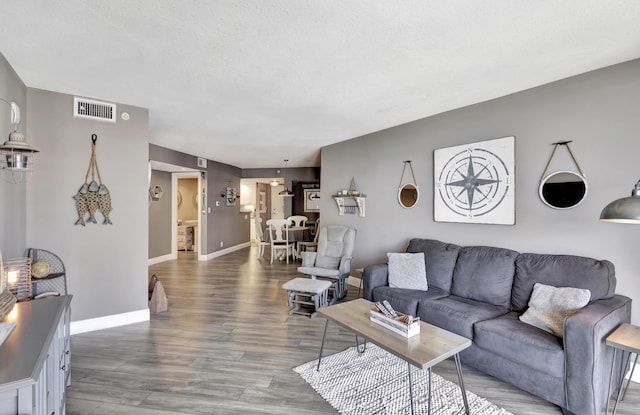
{"points": [[33, 379], [185, 238]]}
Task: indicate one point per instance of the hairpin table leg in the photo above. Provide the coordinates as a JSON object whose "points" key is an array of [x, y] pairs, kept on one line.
{"points": [[322, 345], [364, 345], [464, 392]]}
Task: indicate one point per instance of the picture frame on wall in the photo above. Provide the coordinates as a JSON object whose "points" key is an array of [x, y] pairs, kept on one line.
{"points": [[475, 183], [312, 200]]}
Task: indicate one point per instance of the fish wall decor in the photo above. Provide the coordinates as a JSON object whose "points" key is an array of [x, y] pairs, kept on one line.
{"points": [[93, 196]]}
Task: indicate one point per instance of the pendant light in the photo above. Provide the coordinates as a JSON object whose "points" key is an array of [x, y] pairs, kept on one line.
{"points": [[625, 210], [285, 192], [16, 155]]}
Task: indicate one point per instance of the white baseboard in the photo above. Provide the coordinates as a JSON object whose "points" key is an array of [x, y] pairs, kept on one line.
{"points": [[106, 322], [159, 259], [224, 251]]}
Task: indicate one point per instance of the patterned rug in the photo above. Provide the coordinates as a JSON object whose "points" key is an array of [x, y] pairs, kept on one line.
{"points": [[376, 382]]}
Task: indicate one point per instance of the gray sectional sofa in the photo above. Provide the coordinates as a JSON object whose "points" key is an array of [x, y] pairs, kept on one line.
{"points": [[479, 292]]}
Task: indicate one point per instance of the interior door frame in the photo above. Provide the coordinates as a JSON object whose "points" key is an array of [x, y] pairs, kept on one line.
{"points": [[174, 212]]}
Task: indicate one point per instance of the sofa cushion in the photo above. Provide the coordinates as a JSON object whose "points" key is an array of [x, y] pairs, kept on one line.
{"points": [[457, 314], [485, 274], [407, 271], [405, 301], [549, 306], [439, 258], [597, 276], [521, 343]]}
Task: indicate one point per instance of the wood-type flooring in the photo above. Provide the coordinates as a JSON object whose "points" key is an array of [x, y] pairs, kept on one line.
{"points": [[227, 345]]}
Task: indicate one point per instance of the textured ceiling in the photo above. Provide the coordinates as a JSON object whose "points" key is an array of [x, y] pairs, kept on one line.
{"points": [[251, 83]]}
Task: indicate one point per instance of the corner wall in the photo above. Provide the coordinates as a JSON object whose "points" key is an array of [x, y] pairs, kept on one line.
{"points": [[12, 196], [160, 216], [106, 264], [597, 110]]}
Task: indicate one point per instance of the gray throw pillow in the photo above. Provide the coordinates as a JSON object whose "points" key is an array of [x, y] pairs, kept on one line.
{"points": [[549, 306], [328, 262], [407, 271]]}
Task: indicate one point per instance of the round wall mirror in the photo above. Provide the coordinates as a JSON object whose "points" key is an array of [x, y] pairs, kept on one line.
{"points": [[563, 189], [408, 195]]}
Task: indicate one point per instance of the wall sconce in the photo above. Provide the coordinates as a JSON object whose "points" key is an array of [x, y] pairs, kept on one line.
{"points": [[16, 155], [274, 183], [156, 192], [230, 194]]}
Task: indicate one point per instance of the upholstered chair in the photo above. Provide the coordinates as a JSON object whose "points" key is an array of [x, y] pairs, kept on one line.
{"points": [[332, 259]]}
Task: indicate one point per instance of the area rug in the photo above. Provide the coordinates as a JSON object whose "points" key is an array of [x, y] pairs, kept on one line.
{"points": [[376, 382]]}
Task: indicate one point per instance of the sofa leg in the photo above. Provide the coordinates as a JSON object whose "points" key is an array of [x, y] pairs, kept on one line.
{"points": [[567, 412]]}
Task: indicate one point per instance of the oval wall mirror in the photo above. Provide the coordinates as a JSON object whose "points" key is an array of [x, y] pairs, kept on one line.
{"points": [[408, 195], [563, 189]]}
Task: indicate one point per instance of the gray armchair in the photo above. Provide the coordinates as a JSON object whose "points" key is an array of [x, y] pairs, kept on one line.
{"points": [[332, 259]]}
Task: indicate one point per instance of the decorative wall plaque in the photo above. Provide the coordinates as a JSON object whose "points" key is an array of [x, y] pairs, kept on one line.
{"points": [[474, 183]]}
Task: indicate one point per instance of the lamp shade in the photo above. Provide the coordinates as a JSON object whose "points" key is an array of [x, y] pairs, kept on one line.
{"points": [[286, 192], [625, 210]]}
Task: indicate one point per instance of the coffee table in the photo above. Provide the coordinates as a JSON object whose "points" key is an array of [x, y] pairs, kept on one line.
{"points": [[430, 347]]}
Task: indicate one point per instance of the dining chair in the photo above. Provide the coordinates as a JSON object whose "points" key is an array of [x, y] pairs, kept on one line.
{"points": [[310, 245], [260, 237], [332, 259], [298, 220], [279, 238]]}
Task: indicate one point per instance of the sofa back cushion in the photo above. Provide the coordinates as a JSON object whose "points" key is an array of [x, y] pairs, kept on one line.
{"points": [[439, 258], [484, 273], [597, 276]]}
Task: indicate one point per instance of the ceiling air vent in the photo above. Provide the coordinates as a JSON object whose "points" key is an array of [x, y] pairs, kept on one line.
{"points": [[96, 110]]}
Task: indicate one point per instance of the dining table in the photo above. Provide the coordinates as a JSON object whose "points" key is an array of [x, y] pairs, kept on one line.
{"points": [[295, 234]]}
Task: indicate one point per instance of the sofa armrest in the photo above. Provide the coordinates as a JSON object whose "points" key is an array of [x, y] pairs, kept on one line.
{"points": [[376, 275], [587, 358]]}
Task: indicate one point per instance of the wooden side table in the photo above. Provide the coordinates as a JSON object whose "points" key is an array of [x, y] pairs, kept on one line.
{"points": [[625, 338]]}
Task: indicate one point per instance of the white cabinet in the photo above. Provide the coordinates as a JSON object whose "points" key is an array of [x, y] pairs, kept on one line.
{"points": [[35, 358]]}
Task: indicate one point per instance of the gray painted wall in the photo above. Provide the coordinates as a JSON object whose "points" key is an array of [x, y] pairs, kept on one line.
{"points": [[12, 196], [227, 224], [106, 264], [597, 110], [160, 216]]}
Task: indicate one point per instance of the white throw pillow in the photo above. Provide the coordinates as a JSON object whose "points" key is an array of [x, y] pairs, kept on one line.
{"points": [[407, 271], [549, 306]]}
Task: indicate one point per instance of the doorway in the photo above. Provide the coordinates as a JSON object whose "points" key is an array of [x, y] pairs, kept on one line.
{"points": [[260, 198], [186, 188], [188, 213]]}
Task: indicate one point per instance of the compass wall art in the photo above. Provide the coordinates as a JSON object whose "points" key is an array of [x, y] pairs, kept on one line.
{"points": [[475, 183]]}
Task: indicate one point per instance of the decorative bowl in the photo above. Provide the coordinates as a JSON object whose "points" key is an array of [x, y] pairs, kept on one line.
{"points": [[40, 269]]}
